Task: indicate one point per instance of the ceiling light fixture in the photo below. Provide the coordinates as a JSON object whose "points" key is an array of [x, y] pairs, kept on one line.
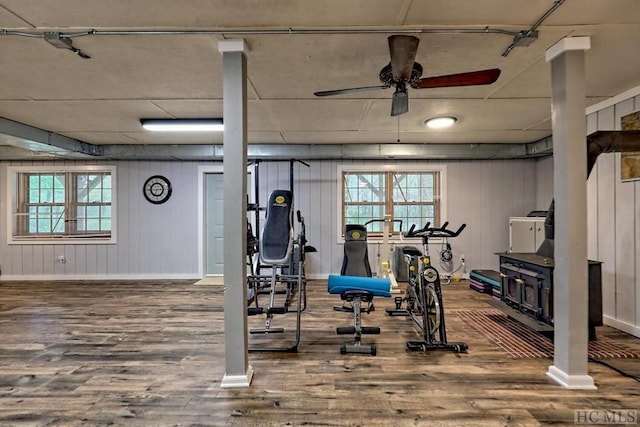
{"points": [[183, 125], [440, 122]]}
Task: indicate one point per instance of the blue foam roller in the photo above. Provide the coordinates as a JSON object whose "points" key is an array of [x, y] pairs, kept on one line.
{"points": [[377, 286]]}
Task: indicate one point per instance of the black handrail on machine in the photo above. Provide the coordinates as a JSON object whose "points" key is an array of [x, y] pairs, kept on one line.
{"points": [[428, 231]]}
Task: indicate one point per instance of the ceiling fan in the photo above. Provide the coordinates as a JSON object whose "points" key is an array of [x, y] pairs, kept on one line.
{"points": [[403, 71]]}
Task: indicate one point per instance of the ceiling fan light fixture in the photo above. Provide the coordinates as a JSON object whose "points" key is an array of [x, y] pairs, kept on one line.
{"points": [[183, 125], [440, 122]]}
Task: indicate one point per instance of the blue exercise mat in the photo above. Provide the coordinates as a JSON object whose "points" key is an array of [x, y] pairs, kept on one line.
{"points": [[377, 286]]}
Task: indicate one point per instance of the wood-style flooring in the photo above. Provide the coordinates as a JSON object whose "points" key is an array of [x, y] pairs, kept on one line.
{"points": [[152, 354]]}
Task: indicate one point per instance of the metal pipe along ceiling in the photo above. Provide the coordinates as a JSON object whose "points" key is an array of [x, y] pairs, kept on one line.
{"points": [[273, 31]]}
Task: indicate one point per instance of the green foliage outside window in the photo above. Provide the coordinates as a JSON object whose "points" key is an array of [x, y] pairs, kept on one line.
{"points": [[413, 197], [64, 204]]}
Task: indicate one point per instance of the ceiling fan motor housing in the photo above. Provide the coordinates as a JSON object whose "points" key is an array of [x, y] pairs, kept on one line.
{"points": [[386, 75]]}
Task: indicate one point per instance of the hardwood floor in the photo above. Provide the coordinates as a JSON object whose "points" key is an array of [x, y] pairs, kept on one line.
{"points": [[152, 354]]}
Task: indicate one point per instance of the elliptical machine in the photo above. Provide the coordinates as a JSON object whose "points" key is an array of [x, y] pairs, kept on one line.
{"points": [[423, 296]]}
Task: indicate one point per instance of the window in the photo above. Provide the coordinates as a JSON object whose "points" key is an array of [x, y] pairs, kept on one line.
{"points": [[411, 194], [55, 205]]}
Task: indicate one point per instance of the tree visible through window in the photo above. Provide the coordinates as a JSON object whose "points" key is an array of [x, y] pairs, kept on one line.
{"points": [[63, 204], [413, 197], [45, 204], [93, 203]]}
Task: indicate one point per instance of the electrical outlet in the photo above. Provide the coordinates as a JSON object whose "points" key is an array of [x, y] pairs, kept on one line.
{"points": [[62, 259], [462, 258]]}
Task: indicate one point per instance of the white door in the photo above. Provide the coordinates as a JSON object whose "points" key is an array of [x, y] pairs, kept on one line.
{"points": [[213, 224]]}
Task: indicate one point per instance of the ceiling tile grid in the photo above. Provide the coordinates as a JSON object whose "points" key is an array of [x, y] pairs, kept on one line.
{"points": [[159, 59]]}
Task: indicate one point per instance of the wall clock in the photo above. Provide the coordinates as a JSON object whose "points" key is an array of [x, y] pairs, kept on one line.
{"points": [[157, 189]]}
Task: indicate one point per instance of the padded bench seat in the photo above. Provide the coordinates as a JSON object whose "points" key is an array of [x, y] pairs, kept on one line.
{"points": [[377, 286]]}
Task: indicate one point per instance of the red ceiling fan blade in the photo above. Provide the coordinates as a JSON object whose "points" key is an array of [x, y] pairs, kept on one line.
{"points": [[402, 50], [482, 77]]}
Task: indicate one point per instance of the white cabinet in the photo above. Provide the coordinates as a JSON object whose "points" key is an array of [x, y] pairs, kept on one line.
{"points": [[526, 234]]}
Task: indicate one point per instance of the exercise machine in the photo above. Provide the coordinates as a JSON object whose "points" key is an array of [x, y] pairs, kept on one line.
{"points": [[355, 261], [423, 297], [447, 268], [357, 292], [276, 247], [384, 253], [276, 260], [300, 249], [253, 221]]}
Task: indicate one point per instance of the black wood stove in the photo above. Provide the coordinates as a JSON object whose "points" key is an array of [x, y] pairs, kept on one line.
{"points": [[527, 286]]}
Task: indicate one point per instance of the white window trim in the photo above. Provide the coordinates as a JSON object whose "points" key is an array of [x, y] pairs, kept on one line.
{"points": [[404, 167], [11, 201]]}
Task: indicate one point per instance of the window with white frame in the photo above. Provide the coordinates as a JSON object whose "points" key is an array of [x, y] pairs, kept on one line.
{"points": [[408, 193], [53, 204]]}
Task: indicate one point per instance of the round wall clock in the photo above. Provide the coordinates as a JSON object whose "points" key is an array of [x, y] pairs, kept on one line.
{"points": [[157, 189]]}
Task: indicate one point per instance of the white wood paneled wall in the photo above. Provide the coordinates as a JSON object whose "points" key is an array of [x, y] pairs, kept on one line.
{"points": [[161, 241], [544, 179], [482, 194], [614, 223], [153, 241]]}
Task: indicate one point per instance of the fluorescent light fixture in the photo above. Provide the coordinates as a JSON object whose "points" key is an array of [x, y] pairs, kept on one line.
{"points": [[440, 122], [183, 125]]}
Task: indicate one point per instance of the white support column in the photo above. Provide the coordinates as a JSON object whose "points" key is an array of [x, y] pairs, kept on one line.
{"points": [[238, 372], [570, 278]]}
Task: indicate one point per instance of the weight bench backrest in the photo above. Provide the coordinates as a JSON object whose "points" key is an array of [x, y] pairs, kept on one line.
{"points": [[356, 254], [276, 243]]}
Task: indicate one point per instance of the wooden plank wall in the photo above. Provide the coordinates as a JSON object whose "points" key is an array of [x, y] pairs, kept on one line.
{"points": [[614, 224], [160, 241], [544, 180], [153, 241], [482, 194]]}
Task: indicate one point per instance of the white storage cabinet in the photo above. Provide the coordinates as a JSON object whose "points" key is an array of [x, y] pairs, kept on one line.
{"points": [[526, 234]]}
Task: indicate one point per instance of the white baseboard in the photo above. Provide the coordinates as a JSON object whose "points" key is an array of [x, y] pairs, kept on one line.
{"points": [[102, 277], [185, 276], [621, 325]]}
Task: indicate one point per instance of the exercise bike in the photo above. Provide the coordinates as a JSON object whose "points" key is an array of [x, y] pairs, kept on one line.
{"points": [[423, 295]]}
